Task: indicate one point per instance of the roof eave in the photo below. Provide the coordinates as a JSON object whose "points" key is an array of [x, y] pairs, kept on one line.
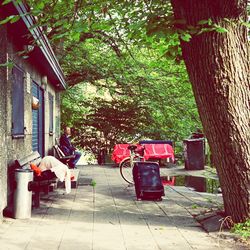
{"points": [[42, 41]]}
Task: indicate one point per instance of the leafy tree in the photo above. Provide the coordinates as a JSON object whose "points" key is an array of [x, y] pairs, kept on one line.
{"points": [[118, 112]]}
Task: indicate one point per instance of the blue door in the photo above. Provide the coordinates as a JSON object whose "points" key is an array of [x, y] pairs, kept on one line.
{"points": [[38, 121]]}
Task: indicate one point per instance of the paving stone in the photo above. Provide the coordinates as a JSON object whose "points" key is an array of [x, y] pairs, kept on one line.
{"points": [[212, 223]]}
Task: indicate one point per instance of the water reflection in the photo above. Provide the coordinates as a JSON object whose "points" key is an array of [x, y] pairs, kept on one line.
{"points": [[168, 180], [199, 184]]}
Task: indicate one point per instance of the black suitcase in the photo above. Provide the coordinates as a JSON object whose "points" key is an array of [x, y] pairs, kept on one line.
{"points": [[148, 184]]}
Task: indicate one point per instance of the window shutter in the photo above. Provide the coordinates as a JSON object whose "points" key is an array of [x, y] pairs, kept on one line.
{"points": [[51, 113], [17, 103]]}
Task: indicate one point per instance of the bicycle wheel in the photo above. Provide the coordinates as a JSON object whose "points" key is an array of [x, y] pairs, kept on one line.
{"points": [[126, 170]]}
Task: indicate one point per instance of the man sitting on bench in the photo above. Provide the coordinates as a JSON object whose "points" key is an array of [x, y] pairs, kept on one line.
{"points": [[67, 147]]}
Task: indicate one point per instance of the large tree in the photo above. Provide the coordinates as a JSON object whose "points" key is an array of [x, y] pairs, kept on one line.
{"points": [[218, 64]]}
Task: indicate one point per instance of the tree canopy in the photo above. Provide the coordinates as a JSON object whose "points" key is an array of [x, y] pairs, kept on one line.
{"points": [[132, 63], [149, 95]]}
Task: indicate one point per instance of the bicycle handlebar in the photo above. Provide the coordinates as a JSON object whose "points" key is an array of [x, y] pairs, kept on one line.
{"points": [[135, 149], [132, 147]]}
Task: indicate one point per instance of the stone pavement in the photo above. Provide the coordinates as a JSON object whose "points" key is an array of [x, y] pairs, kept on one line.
{"points": [[107, 216]]}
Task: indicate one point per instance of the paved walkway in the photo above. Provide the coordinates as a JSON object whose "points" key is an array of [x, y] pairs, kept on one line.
{"points": [[107, 216]]}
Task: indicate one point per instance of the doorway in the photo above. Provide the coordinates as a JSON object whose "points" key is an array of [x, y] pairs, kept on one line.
{"points": [[38, 120]]}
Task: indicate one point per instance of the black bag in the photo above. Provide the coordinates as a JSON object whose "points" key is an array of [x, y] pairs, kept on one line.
{"points": [[148, 184], [45, 175]]}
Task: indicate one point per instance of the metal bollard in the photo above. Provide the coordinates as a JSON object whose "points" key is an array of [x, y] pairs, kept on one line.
{"points": [[22, 196]]}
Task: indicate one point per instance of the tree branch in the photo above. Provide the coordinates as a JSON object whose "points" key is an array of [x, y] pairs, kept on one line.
{"points": [[101, 35]]}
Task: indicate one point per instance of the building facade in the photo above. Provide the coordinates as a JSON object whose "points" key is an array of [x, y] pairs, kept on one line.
{"points": [[30, 80]]}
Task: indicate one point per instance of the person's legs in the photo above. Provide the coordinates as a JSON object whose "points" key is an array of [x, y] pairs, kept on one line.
{"points": [[103, 157], [73, 162], [99, 158]]}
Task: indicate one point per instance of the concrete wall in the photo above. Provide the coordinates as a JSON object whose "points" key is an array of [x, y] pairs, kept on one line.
{"points": [[3, 118], [11, 149]]}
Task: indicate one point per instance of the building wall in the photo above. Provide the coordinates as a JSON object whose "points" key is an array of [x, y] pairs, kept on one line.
{"points": [[11, 149], [3, 118], [50, 140]]}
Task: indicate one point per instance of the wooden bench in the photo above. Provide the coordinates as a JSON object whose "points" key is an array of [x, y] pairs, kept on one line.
{"points": [[58, 153], [39, 183]]}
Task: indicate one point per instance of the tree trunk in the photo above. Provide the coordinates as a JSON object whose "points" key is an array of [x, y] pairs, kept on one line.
{"points": [[218, 65]]}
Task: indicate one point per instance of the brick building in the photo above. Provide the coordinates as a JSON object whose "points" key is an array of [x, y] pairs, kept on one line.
{"points": [[30, 93]]}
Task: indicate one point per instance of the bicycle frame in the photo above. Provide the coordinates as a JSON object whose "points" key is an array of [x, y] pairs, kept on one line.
{"points": [[134, 156]]}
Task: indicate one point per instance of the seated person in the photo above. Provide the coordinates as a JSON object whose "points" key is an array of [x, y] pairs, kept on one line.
{"points": [[102, 152], [67, 147], [51, 167]]}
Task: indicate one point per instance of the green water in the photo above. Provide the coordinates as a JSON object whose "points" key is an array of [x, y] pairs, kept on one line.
{"points": [[199, 184]]}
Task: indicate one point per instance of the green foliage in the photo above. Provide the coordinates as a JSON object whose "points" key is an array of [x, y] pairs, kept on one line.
{"points": [[6, 2], [93, 183], [194, 206], [7, 64], [130, 55], [151, 96], [220, 29], [11, 19], [242, 229], [212, 185]]}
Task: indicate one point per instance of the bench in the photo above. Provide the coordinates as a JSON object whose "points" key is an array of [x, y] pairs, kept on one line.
{"points": [[58, 153], [39, 183]]}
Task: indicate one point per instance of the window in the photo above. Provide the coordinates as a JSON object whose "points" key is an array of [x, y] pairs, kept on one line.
{"points": [[51, 114], [17, 103]]}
